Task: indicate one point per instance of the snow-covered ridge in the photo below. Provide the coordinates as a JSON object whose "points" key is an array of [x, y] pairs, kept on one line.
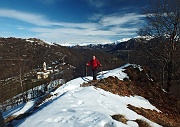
{"points": [[42, 42], [75, 106]]}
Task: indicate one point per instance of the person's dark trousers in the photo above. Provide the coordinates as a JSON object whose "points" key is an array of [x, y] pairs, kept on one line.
{"points": [[2, 123], [94, 72]]}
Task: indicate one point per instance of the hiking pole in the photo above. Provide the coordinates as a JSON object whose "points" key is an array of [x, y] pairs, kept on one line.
{"points": [[86, 70], [101, 72]]}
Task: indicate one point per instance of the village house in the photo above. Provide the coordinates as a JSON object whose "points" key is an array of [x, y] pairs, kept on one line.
{"points": [[45, 72]]}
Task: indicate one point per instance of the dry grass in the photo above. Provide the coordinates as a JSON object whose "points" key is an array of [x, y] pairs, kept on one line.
{"points": [[123, 119], [120, 118], [157, 117], [142, 123]]}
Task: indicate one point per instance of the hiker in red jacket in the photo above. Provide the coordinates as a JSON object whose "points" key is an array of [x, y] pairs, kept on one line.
{"points": [[94, 63]]}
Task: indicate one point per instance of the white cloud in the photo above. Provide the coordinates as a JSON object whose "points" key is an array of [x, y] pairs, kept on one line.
{"points": [[105, 28], [35, 19], [20, 28], [77, 25], [74, 35], [96, 3], [123, 30], [117, 19], [40, 20], [103, 3], [95, 17]]}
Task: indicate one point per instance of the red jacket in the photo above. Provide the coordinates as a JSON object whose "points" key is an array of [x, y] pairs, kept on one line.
{"points": [[94, 63]]}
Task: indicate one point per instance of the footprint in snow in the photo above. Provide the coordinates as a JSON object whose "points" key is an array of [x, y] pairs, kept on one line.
{"points": [[79, 102]]}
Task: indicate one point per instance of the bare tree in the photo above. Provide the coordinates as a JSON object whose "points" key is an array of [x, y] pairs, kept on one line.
{"points": [[163, 23]]}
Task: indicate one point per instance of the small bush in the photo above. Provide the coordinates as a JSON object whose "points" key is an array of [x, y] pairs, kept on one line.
{"points": [[120, 118], [142, 123]]}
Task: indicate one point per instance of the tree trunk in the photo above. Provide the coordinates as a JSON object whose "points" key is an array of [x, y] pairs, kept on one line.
{"points": [[162, 76], [169, 78], [170, 63]]}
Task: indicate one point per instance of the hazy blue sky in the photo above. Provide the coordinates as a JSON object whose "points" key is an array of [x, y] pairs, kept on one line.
{"points": [[71, 21]]}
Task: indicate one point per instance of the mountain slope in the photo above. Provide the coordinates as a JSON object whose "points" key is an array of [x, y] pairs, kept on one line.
{"points": [[22, 58], [82, 103], [31, 53], [150, 52]]}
